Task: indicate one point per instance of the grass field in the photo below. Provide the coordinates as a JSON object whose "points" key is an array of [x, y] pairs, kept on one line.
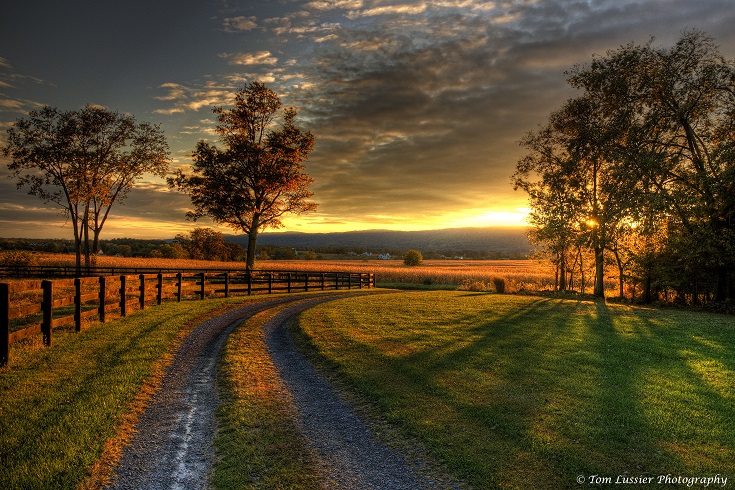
{"points": [[526, 392]]}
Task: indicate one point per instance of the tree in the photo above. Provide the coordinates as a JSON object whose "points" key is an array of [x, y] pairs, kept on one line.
{"points": [[84, 161], [257, 177], [413, 258], [573, 187], [677, 107], [646, 153]]}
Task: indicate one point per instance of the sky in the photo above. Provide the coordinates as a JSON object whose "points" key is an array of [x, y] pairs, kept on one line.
{"points": [[417, 107]]}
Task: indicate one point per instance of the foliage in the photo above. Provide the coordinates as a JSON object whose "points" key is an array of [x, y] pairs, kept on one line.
{"points": [[84, 161], [525, 392], [412, 258], [637, 165], [207, 244], [258, 176]]}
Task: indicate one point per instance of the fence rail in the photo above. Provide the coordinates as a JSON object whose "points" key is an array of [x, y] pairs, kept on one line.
{"points": [[33, 307]]}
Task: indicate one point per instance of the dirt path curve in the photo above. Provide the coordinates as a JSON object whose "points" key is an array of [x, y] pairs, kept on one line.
{"points": [[173, 444], [172, 447]]}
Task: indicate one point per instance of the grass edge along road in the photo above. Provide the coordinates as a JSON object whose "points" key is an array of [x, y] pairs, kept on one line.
{"points": [[528, 392], [66, 411]]}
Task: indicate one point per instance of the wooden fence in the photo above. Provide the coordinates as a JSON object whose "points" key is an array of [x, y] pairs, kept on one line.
{"points": [[47, 304]]}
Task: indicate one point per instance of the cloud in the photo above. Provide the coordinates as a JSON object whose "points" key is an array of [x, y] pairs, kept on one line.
{"points": [[405, 9], [334, 4], [239, 24], [247, 59], [193, 98]]}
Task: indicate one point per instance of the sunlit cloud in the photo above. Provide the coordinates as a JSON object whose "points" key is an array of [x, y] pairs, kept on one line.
{"points": [[409, 9], [193, 98], [246, 59], [19, 106], [334, 4], [239, 24]]}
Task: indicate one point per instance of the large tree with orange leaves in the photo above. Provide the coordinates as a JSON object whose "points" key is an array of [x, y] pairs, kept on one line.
{"points": [[257, 176]]}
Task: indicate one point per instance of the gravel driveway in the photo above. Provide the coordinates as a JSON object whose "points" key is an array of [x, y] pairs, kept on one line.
{"points": [[172, 447]]}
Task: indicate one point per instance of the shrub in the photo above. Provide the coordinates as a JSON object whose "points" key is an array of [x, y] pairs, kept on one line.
{"points": [[413, 257], [499, 283]]}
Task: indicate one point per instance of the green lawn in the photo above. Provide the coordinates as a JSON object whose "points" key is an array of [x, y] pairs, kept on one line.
{"points": [[528, 392]]}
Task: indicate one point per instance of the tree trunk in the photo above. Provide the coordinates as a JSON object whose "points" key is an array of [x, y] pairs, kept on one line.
{"points": [[647, 296], [581, 271], [85, 231], [77, 241], [621, 274], [250, 261], [599, 272], [563, 272], [252, 238]]}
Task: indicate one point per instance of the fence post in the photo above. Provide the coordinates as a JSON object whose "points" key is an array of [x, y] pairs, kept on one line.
{"points": [[270, 283], [201, 291], [306, 282], [322, 277], [142, 291], [103, 290], [4, 323], [77, 304], [159, 295], [179, 280], [227, 284], [46, 307], [123, 303], [288, 282]]}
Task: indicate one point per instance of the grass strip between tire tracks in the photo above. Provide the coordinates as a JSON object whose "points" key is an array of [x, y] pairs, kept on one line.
{"points": [[258, 444]]}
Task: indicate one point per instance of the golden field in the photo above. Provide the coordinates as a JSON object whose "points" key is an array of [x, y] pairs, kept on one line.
{"points": [[533, 275]]}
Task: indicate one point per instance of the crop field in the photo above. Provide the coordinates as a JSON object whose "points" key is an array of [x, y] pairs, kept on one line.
{"points": [[530, 275]]}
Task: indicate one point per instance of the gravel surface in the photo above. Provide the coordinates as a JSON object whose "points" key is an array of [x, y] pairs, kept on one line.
{"points": [[172, 447], [348, 452]]}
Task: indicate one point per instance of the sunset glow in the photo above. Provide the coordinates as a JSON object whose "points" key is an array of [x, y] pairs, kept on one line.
{"points": [[416, 107]]}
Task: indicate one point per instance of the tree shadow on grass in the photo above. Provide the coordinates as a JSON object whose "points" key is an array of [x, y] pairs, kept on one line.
{"points": [[543, 392]]}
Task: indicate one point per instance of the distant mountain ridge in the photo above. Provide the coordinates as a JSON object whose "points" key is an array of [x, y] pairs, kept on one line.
{"points": [[504, 240]]}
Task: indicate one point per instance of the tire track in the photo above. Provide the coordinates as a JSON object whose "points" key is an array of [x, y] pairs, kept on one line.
{"points": [[349, 454], [172, 445]]}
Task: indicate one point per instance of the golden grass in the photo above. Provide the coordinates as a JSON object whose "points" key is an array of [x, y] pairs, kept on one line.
{"points": [[519, 275]]}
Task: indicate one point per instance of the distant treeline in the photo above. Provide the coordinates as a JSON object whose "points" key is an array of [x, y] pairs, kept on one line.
{"points": [[206, 244]]}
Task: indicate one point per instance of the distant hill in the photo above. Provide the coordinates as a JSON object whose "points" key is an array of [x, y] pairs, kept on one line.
{"points": [[507, 241]]}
